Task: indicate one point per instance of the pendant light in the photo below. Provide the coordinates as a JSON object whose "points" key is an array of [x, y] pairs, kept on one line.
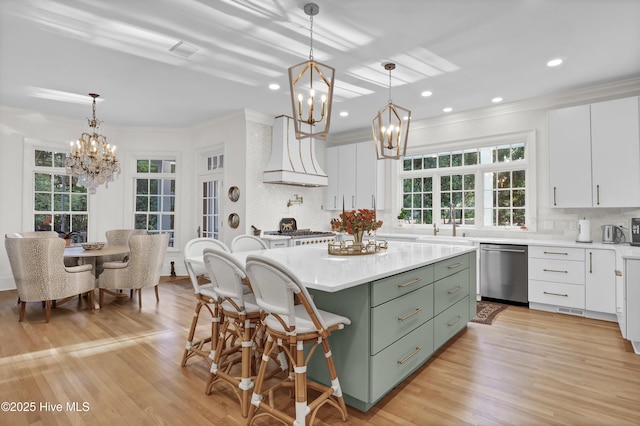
{"points": [[311, 85], [391, 126]]}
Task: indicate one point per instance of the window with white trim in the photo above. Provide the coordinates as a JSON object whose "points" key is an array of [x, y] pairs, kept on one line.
{"points": [[59, 204], [480, 184], [155, 196]]}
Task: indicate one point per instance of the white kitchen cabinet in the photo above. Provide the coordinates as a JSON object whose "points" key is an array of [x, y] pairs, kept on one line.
{"points": [[332, 171], [573, 280], [600, 281], [570, 145], [355, 176], [615, 150], [632, 286], [594, 152]]}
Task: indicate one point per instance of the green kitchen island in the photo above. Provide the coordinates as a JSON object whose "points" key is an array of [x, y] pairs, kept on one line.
{"points": [[404, 304]]}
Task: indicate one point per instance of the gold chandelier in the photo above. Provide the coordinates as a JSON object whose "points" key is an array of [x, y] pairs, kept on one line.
{"points": [[91, 159], [391, 126], [311, 85]]}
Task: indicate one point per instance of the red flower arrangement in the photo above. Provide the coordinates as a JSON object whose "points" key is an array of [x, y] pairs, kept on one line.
{"points": [[356, 220]]}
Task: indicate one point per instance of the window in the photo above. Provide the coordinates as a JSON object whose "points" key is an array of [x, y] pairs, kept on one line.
{"points": [[484, 184], [155, 196], [58, 203], [211, 190]]}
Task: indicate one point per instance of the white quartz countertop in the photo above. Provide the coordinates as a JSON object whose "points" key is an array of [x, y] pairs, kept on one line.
{"points": [[623, 250], [319, 270]]}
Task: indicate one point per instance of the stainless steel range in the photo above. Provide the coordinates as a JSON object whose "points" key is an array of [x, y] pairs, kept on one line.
{"points": [[289, 228]]}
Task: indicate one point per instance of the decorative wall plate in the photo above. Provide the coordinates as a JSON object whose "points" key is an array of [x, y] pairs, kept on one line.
{"points": [[234, 193], [234, 220]]}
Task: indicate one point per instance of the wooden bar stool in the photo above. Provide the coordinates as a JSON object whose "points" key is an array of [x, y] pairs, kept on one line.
{"points": [[205, 296], [291, 327], [242, 327]]}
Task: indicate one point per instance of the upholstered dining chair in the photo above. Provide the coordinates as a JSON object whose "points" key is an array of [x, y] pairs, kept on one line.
{"points": [[247, 243], [37, 263], [205, 297], [141, 270], [292, 326], [117, 237]]}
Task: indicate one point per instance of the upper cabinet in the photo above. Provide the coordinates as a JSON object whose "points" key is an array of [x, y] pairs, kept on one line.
{"points": [[355, 177], [594, 155]]}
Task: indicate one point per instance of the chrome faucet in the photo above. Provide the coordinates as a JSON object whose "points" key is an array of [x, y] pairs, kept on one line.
{"points": [[435, 229], [452, 219]]}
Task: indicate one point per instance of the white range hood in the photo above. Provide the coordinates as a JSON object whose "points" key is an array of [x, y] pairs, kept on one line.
{"points": [[293, 161]]}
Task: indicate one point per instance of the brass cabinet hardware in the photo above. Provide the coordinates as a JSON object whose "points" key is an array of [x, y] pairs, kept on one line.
{"points": [[408, 357], [455, 265], [417, 280], [556, 252], [556, 294], [451, 324], [556, 270], [410, 315], [455, 290]]}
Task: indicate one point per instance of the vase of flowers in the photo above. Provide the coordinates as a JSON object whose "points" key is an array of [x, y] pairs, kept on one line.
{"points": [[356, 223]]}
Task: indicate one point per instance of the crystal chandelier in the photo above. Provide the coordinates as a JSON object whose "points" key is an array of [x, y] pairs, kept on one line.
{"points": [[311, 85], [91, 159], [391, 126]]}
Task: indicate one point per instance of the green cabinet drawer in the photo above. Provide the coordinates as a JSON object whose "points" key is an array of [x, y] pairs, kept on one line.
{"points": [[391, 365], [449, 322], [397, 285], [450, 290], [450, 266], [395, 318]]}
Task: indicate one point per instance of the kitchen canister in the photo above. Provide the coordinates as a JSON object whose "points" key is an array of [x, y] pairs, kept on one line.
{"points": [[584, 231]]}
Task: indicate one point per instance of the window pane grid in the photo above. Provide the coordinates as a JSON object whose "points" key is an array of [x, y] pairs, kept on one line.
{"points": [[155, 197], [500, 199], [58, 203]]}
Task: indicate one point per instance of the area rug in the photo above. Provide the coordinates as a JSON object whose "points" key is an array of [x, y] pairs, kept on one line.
{"points": [[487, 312], [181, 281]]}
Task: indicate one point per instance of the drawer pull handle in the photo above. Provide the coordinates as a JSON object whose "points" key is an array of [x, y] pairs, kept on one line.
{"points": [[455, 265], [410, 315], [455, 290], [556, 252], [454, 322], [417, 280], [555, 270], [408, 357], [556, 294]]}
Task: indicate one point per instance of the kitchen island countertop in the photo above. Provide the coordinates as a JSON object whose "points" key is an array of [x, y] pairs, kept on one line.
{"points": [[319, 270]]}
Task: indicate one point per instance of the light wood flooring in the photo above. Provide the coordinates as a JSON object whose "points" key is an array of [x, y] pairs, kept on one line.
{"points": [[122, 367]]}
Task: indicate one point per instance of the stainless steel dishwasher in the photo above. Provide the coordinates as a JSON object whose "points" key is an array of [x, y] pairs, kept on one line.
{"points": [[504, 273]]}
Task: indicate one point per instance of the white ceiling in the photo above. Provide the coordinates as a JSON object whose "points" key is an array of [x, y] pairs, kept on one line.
{"points": [[465, 51]]}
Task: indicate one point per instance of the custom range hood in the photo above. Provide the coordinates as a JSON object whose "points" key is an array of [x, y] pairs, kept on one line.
{"points": [[293, 161]]}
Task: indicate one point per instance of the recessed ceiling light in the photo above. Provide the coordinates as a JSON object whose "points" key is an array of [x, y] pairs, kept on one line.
{"points": [[447, 109], [554, 62], [274, 86], [183, 49], [496, 100], [426, 93], [344, 113]]}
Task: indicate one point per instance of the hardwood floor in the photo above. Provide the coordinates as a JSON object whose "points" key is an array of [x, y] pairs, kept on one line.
{"points": [[122, 367]]}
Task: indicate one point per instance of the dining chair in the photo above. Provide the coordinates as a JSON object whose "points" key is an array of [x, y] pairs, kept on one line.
{"points": [[205, 297], [240, 330], [117, 237], [37, 264], [291, 326], [141, 270], [247, 243]]}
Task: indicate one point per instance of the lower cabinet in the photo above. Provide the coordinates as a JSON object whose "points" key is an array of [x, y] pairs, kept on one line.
{"points": [[396, 325], [573, 280]]}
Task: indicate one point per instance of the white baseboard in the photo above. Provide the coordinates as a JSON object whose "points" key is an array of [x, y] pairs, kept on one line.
{"points": [[7, 283]]}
